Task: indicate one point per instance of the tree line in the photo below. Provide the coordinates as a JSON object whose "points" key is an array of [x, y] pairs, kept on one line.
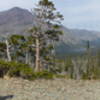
{"points": [[21, 55]]}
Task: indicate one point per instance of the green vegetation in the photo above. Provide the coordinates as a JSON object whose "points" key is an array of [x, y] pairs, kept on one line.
{"points": [[33, 56], [14, 69]]}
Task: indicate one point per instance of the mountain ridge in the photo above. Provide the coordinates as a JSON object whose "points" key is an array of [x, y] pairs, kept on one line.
{"points": [[15, 18], [18, 20]]}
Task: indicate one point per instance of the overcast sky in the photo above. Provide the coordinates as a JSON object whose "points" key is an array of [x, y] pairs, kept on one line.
{"points": [[81, 14]]}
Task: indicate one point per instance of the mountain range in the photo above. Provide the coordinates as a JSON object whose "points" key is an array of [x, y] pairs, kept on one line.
{"points": [[18, 20]]}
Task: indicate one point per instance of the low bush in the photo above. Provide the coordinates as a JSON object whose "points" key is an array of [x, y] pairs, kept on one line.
{"points": [[15, 69], [94, 74], [61, 76], [43, 75]]}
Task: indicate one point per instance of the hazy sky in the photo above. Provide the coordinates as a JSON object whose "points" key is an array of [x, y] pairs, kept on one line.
{"points": [[83, 14]]}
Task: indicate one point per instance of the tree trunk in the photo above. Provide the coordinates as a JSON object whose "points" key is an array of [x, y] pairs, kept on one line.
{"points": [[7, 51], [37, 59], [26, 58]]}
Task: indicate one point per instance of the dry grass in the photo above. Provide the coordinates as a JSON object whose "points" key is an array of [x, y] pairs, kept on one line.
{"points": [[58, 89]]}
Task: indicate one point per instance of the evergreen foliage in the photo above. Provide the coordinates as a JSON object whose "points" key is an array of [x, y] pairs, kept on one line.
{"points": [[33, 56]]}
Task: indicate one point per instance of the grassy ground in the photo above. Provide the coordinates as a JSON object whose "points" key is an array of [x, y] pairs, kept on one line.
{"points": [[57, 89]]}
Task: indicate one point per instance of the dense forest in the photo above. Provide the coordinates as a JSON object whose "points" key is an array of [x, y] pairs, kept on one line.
{"points": [[34, 55]]}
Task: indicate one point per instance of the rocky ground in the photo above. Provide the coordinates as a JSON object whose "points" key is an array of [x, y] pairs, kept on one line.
{"points": [[58, 89]]}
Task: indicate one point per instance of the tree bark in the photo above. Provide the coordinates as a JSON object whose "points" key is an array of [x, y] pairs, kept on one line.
{"points": [[8, 51], [37, 60], [26, 58]]}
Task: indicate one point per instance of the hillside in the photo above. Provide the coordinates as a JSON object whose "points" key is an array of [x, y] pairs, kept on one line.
{"points": [[18, 20], [76, 35], [15, 20]]}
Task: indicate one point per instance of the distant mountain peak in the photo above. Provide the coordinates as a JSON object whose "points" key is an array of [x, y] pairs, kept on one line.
{"points": [[17, 9], [15, 20]]}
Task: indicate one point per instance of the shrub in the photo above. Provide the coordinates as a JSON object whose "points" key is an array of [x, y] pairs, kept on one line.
{"points": [[61, 76], [85, 76], [15, 69], [26, 72], [43, 75], [94, 74]]}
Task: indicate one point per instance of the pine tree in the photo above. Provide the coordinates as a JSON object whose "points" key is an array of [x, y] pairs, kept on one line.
{"points": [[46, 29]]}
